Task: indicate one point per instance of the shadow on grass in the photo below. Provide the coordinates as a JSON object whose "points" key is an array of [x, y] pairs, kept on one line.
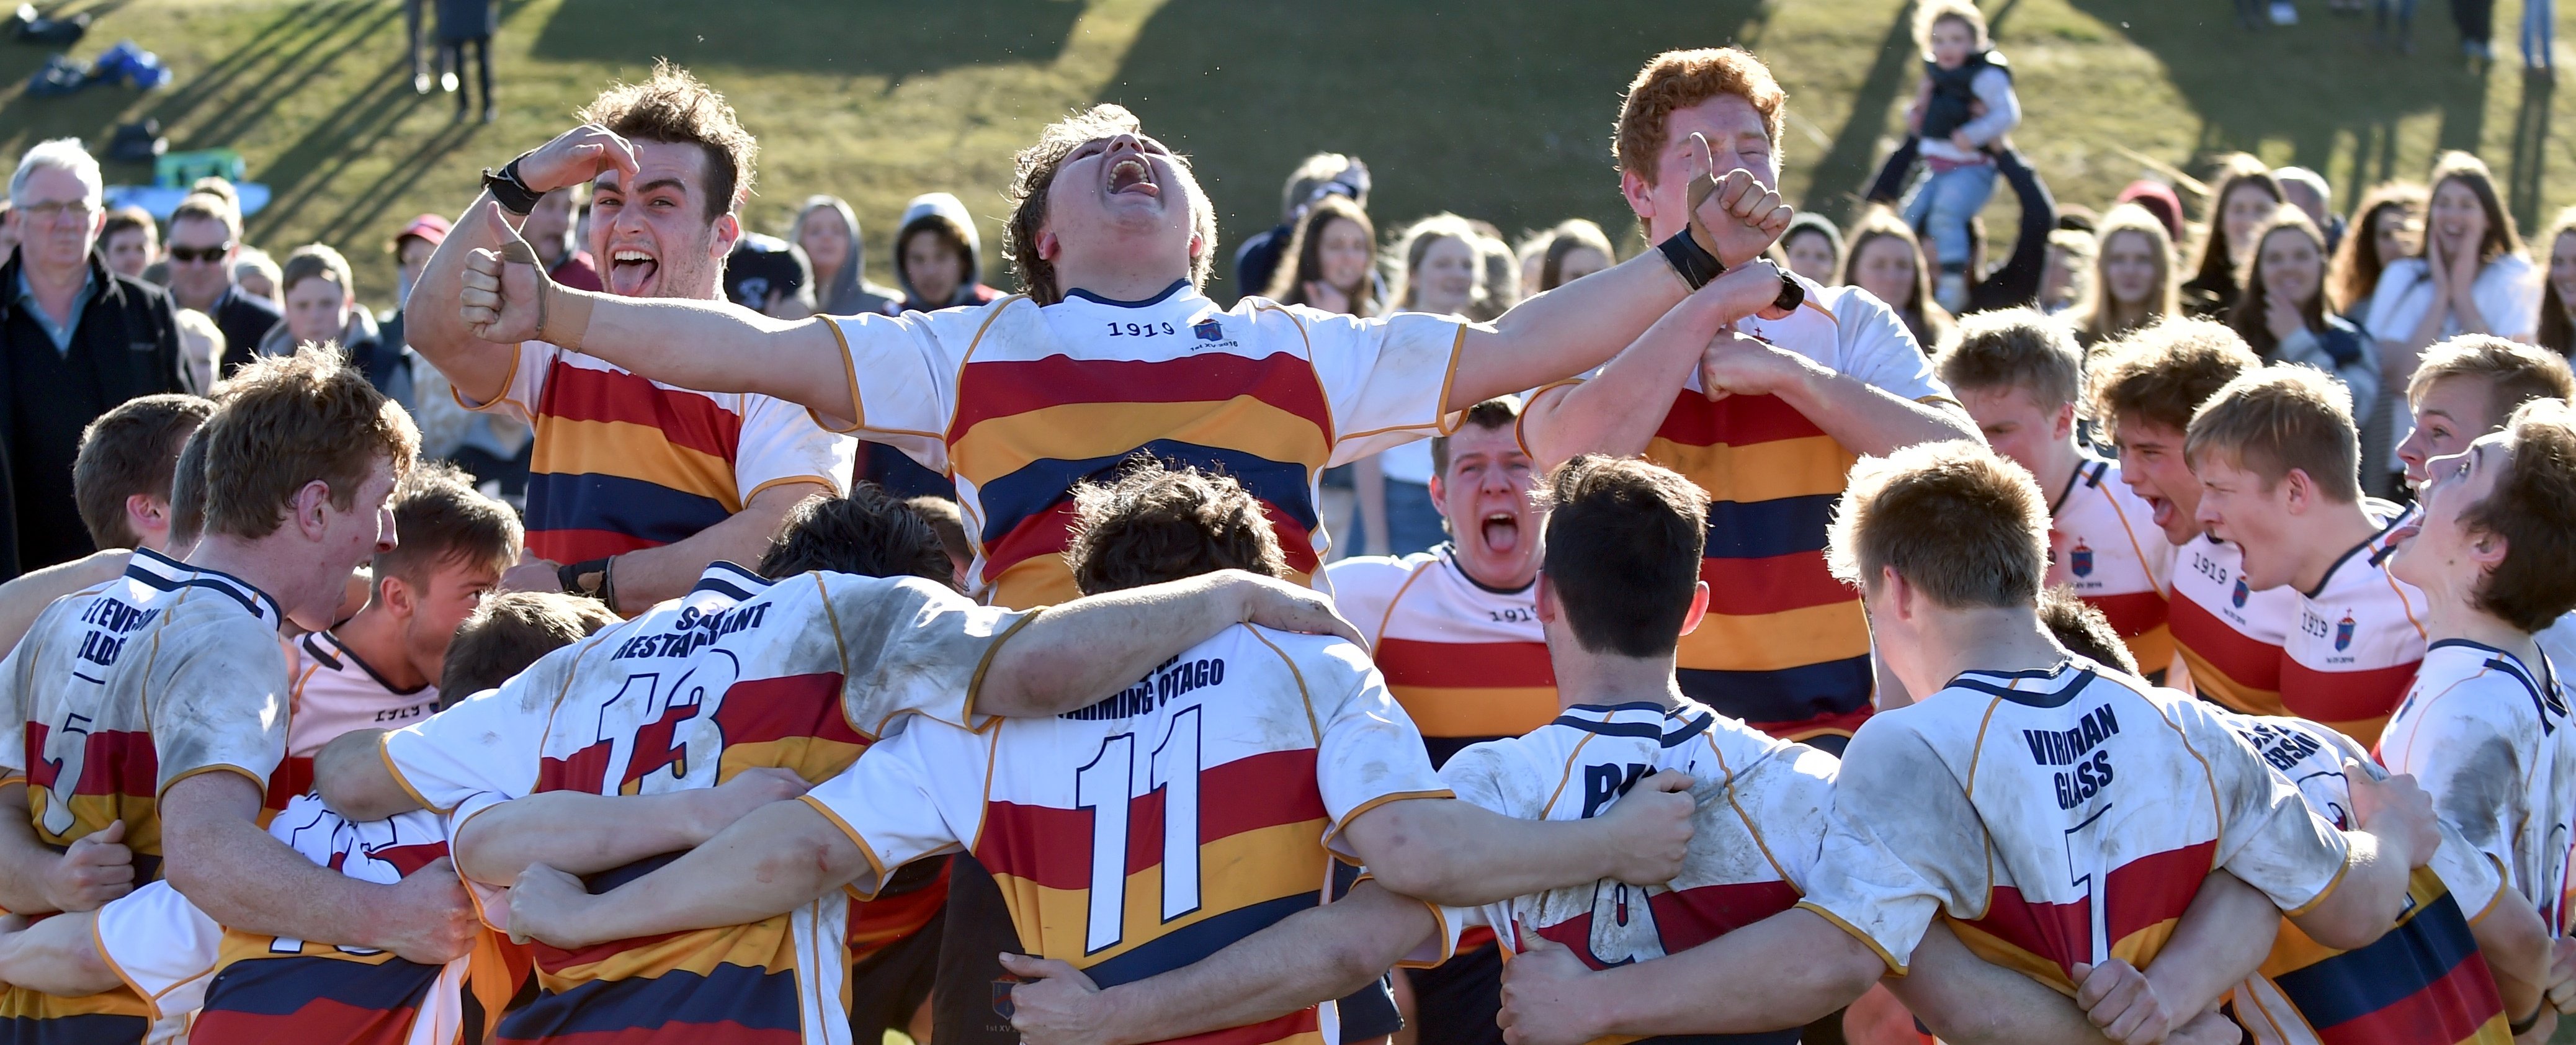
{"points": [[894, 38], [1501, 110]]}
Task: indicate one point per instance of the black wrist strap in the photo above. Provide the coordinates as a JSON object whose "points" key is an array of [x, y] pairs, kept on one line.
{"points": [[510, 190], [2523, 1026], [1792, 294], [1692, 262], [572, 576]]}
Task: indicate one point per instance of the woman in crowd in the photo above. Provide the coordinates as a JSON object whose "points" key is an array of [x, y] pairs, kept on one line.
{"points": [[829, 231], [2133, 277], [1575, 248], [2247, 194], [1812, 247], [1443, 272], [2469, 277], [2284, 317], [2387, 226], [1498, 273], [938, 257], [2556, 329], [1442, 267], [1887, 261], [1332, 256]]}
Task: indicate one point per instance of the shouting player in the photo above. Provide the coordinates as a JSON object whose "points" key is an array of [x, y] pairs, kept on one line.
{"points": [[2020, 375], [1207, 793], [2279, 458], [1764, 418], [1113, 349]]}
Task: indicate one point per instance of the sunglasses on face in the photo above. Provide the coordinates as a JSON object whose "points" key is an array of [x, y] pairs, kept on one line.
{"points": [[205, 255]]}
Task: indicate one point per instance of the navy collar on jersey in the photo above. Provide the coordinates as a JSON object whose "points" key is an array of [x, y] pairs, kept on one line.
{"points": [[1682, 727], [166, 574], [2375, 555], [1157, 299], [1448, 553], [727, 579], [2542, 687], [2089, 471], [2000, 684], [313, 645]]}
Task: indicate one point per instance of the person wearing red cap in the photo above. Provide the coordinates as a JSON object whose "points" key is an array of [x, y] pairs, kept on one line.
{"points": [[412, 248], [2160, 200]]}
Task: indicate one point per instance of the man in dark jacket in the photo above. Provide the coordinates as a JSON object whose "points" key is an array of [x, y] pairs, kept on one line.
{"points": [[205, 237], [75, 341]]}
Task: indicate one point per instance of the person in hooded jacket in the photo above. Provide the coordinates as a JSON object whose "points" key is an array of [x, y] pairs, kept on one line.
{"points": [[828, 230], [938, 258]]}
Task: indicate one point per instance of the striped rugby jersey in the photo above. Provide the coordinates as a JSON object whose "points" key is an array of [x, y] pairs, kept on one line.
{"points": [[1784, 646], [623, 463], [2488, 736], [331, 692], [2059, 816], [260, 988], [1019, 403], [2360, 635], [2103, 542], [2421, 983], [1468, 662], [740, 673], [2227, 636], [1763, 807], [1150, 830], [120, 691]]}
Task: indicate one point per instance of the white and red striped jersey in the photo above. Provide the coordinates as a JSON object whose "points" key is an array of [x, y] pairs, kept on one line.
{"points": [[2227, 636], [2059, 816], [2488, 736], [330, 692], [1468, 662], [2359, 637], [2103, 542]]}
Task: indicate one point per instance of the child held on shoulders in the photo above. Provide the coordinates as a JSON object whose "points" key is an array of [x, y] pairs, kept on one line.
{"points": [[1964, 104]]}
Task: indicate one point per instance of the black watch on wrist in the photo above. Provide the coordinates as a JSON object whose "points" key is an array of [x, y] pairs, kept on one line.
{"points": [[510, 190], [1792, 293]]}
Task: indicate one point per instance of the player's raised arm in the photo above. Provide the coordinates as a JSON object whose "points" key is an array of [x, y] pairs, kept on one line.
{"points": [[710, 346]]}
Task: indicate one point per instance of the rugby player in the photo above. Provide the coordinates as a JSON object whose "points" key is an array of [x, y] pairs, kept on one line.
{"points": [[1764, 408], [1113, 349], [2278, 458]]}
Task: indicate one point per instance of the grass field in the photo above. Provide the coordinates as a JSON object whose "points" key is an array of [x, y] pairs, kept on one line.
{"points": [[1499, 110]]}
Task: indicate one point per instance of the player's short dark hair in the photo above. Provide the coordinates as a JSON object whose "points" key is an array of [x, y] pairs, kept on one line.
{"points": [[130, 450], [510, 631], [1155, 523], [946, 521], [2083, 629], [440, 520], [2162, 373], [868, 533], [2533, 507], [1953, 518], [676, 107], [1624, 541], [1500, 412]]}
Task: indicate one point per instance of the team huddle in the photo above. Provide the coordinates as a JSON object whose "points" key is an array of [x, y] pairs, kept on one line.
{"points": [[1776, 668]]}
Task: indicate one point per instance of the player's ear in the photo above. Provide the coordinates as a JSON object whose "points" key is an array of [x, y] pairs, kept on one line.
{"points": [[1548, 608], [1698, 608], [1640, 195], [397, 594], [1048, 245], [2489, 550], [2065, 425]]}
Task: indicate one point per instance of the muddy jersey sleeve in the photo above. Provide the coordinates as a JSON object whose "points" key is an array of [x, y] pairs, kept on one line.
{"points": [[908, 646], [1902, 843], [2267, 835], [216, 694]]}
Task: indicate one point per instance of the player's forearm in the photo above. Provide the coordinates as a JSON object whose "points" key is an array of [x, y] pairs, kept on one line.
{"points": [[1309, 957], [2222, 938], [2366, 902], [773, 861], [1867, 419], [351, 774], [1618, 410], [578, 832], [1078, 652], [711, 346], [1787, 970], [24, 858], [246, 880], [1458, 854], [25, 597], [2517, 948], [479, 369], [647, 576], [1970, 1001], [57, 956], [1569, 330]]}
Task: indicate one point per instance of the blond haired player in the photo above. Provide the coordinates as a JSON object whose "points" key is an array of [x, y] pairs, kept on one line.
{"points": [[1113, 348], [2279, 463], [2020, 374]]}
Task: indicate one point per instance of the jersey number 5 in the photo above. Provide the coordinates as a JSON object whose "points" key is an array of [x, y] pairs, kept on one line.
{"points": [[1104, 787]]}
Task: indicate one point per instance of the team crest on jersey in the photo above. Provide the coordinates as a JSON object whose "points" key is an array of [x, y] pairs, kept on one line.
{"points": [[2241, 592], [2080, 561], [2343, 633], [1208, 329]]}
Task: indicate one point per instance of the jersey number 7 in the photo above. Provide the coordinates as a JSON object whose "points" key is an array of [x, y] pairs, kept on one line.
{"points": [[1103, 786]]}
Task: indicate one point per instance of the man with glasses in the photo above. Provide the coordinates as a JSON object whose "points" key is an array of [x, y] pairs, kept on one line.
{"points": [[205, 238], [75, 340]]}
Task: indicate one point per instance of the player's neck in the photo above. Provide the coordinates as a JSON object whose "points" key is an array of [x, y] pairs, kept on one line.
{"points": [[2337, 529], [1985, 638], [1125, 276], [375, 635], [1586, 677], [284, 572], [2452, 615], [2057, 470]]}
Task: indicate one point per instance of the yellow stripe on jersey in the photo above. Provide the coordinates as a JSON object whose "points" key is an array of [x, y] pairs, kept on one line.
{"points": [[2209, 682], [580, 447], [2138, 948], [1776, 641], [1002, 445], [1800, 467], [2153, 647], [1235, 872], [769, 942], [1447, 711], [92, 813]]}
